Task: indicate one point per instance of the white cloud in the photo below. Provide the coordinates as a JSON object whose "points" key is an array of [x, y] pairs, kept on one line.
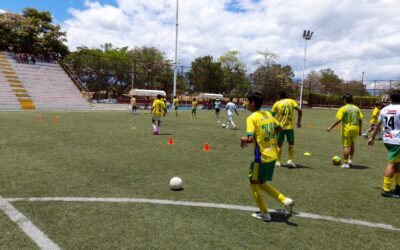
{"points": [[2, 11], [350, 36]]}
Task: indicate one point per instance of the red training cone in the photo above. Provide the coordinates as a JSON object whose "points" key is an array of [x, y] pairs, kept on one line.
{"points": [[55, 121], [206, 147], [171, 141]]}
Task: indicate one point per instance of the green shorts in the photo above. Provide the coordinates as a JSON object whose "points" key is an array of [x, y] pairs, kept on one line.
{"points": [[261, 172], [393, 152], [176, 107], [289, 136], [193, 110]]}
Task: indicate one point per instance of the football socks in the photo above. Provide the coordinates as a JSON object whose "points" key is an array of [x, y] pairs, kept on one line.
{"points": [[259, 199]]}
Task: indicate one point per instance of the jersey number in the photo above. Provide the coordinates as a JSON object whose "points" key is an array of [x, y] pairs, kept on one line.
{"points": [[268, 128], [389, 122]]}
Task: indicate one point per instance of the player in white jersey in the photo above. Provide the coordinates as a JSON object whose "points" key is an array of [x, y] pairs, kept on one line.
{"points": [[230, 107], [389, 120]]}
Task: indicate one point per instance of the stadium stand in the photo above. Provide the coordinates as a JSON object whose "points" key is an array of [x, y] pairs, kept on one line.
{"points": [[43, 86]]}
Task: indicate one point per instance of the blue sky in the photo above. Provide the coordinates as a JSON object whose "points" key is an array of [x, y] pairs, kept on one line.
{"points": [[58, 8], [350, 36]]}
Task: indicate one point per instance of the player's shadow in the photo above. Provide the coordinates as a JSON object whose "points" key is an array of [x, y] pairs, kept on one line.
{"points": [[359, 167], [279, 216], [165, 134], [298, 166]]}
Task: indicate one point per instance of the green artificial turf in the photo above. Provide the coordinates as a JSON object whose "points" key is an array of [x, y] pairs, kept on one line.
{"points": [[113, 154]]}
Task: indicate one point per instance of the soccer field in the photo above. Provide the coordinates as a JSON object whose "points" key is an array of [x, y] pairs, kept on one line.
{"points": [[113, 155]]}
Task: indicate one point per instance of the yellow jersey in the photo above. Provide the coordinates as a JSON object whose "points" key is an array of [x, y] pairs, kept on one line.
{"points": [[283, 109], [350, 115], [176, 102], [374, 117], [159, 107], [194, 104], [133, 102], [262, 125]]}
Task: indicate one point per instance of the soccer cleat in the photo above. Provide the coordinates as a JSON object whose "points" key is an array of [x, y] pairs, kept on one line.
{"points": [[397, 190], [155, 132], [288, 205], [262, 216], [290, 163], [278, 164], [390, 194], [345, 166], [350, 163], [365, 135]]}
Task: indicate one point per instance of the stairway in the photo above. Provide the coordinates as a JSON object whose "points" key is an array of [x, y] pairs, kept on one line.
{"points": [[16, 85]]}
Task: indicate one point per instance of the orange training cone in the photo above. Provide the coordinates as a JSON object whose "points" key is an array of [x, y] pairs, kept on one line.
{"points": [[206, 147], [309, 125], [171, 141], [41, 119], [55, 121]]}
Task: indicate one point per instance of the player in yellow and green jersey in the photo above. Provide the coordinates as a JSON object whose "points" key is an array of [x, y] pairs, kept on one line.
{"points": [[261, 129], [176, 105], [351, 118], [158, 110], [283, 111], [245, 104], [194, 107], [374, 118], [133, 104]]}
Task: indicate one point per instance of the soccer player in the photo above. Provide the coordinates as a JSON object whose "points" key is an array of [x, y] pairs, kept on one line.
{"points": [[133, 103], [389, 120], [176, 105], [351, 118], [158, 110], [261, 129], [283, 110], [374, 118], [230, 107], [217, 106], [194, 107], [245, 103]]}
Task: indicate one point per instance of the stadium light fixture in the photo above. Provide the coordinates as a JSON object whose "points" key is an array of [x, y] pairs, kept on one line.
{"points": [[307, 34], [176, 51]]}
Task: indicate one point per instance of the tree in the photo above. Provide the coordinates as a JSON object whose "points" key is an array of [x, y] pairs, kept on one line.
{"points": [[330, 81], [234, 72], [32, 32], [206, 75], [266, 58], [110, 70]]}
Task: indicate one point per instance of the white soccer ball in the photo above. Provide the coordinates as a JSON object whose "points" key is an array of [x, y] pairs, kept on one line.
{"points": [[223, 125], [176, 183]]}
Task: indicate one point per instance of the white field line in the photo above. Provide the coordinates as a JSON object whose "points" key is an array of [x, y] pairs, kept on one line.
{"points": [[41, 239], [206, 205]]}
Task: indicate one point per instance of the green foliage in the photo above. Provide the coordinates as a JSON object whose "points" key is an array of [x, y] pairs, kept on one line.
{"points": [[234, 74], [336, 100], [206, 75], [108, 71], [269, 79], [32, 32]]}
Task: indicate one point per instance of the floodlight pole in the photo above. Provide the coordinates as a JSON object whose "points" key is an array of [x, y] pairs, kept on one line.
{"points": [[307, 34], [176, 50]]}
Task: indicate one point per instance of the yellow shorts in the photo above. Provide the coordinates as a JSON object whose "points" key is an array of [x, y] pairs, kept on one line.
{"points": [[348, 140]]}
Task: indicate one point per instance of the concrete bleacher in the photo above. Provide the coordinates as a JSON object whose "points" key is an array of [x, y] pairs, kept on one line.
{"points": [[46, 84]]}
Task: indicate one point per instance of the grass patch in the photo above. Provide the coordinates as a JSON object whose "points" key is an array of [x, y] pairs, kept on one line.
{"points": [[113, 154]]}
